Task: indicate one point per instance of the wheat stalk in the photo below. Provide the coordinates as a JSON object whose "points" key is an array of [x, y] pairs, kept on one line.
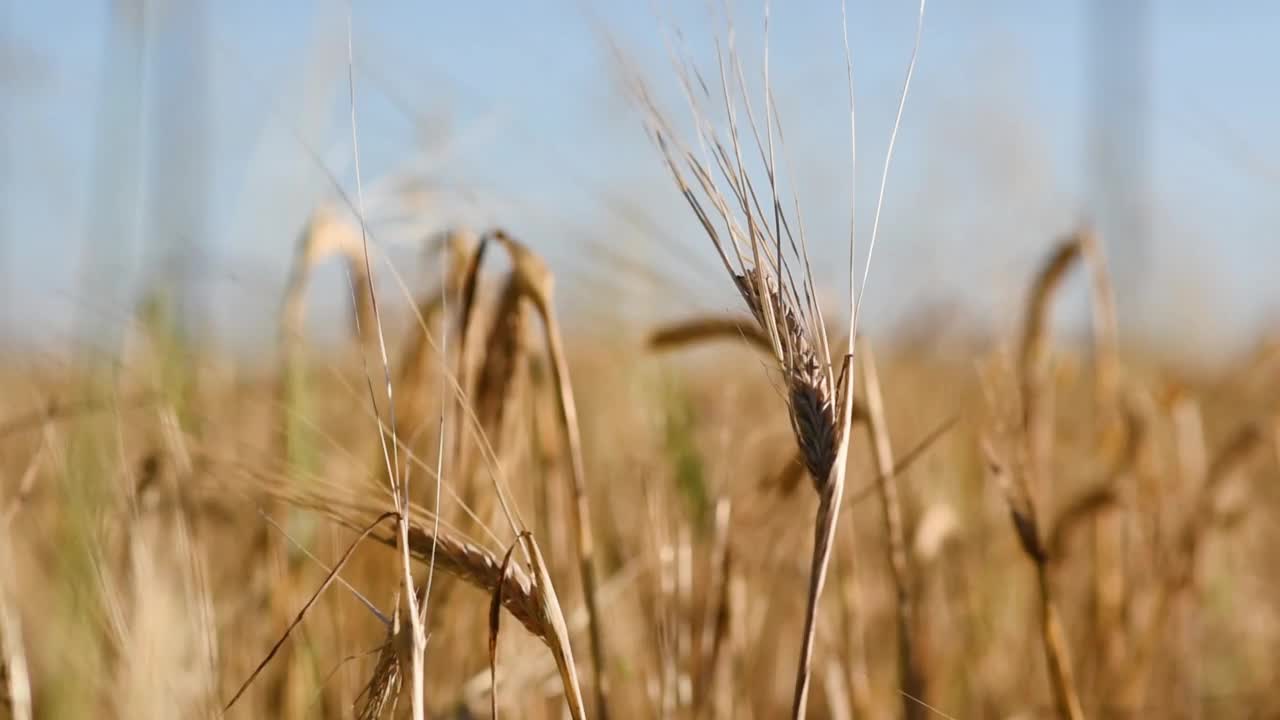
{"points": [[1023, 514], [505, 350], [325, 234], [911, 677], [711, 327], [758, 249], [527, 593], [1036, 433], [536, 283]]}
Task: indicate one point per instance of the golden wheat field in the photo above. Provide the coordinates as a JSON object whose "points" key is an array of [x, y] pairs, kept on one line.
{"points": [[506, 491]]}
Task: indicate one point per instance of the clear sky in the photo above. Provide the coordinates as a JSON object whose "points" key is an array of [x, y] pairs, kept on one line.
{"points": [[136, 132]]}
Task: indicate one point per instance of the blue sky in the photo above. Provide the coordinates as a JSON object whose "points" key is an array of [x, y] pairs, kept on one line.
{"points": [[200, 128]]}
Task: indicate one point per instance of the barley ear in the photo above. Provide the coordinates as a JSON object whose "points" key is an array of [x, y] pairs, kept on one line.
{"points": [[538, 285], [1022, 513]]}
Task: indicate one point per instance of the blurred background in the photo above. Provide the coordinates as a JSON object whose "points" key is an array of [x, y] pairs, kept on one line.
{"points": [[179, 369], [187, 143]]}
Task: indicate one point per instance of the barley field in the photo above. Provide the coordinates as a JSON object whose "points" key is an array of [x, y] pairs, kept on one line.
{"points": [[520, 477]]}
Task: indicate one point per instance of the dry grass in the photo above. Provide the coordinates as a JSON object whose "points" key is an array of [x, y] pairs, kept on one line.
{"points": [[141, 577], [219, 542], [76, 477]]}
